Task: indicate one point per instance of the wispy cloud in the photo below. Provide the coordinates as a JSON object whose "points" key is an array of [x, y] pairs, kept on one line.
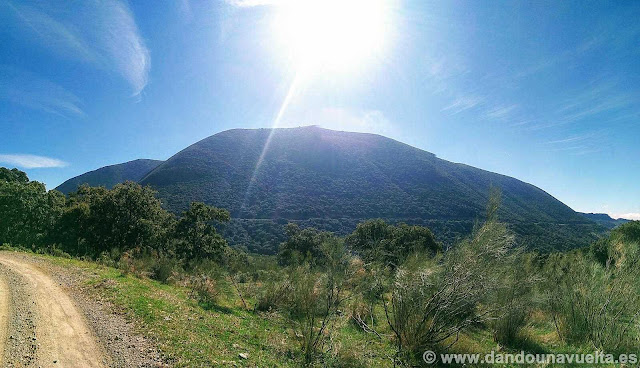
{"points": [[184, 9], [584, 107], [31, 161], [444, 67], [579, 144], [564, 57], [26, 89], [501, 112], [449, 77], [578, 138], [462, 103], [604, 101], [99, 33], [252, 3]]}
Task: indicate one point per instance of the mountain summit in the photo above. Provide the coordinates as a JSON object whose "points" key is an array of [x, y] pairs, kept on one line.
{"points": [[333, 179]]}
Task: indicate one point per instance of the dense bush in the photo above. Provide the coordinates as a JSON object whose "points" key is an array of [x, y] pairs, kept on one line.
{"points": [[377, 241], [303, 245], [128, 217], [433, 299], [314, 296], [205, 289], [27, 211], [598, 303], [125, 226], [516, 299]]}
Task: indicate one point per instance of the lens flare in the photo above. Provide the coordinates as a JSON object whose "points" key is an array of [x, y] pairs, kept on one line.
{"points": [[333, 35]]}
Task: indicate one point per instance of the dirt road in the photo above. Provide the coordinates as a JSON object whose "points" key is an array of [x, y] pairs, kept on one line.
{"points": [[40, 326]]}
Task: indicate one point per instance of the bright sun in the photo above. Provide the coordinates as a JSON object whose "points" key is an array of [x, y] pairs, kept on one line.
{"points": [[334, 35]]}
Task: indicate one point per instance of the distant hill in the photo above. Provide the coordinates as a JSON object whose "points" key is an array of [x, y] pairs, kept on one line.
{"points": [[604, 220], [109, 176], [333, 180]]}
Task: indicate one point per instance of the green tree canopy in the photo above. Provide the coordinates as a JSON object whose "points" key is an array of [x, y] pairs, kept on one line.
{"points": [[27, 210], [303, 245], [13, 175], [127, 217], [196, 237], [377, 241]]}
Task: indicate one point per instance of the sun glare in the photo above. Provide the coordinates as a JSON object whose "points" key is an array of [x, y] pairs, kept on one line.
{"points": [[333, 34]]}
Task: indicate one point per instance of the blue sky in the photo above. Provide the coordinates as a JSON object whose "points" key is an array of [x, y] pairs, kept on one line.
{"points": [[545, 91]]}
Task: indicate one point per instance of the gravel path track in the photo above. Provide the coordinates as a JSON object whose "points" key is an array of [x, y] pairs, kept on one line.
{"points": [[44, 326]]}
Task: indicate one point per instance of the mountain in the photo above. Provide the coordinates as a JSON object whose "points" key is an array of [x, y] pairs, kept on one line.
{"points": [[604, 220], [332, 180], [109, 176]]}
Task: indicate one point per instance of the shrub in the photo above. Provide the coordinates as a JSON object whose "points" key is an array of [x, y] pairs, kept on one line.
{"points": [[273, 296], [595, 304], [515, 300], [6, 246], [433, 300], [303, 245], [164, 268], [343, 358], [205, 290], [316, 297], [377, 241], [305, 308], [507, 327], [110, 259], [57, 252]]}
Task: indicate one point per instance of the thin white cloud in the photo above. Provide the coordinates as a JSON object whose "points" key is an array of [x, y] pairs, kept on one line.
{"points": [[27, 89], [120, 37], [562, 58], [578, 138], [627, 216], [596, 99], [579, 145], [99, 33], [184, 9], [463, 103], [31, 161], [443, 68], [601, 100], [501, 112], [51, 33], [252, 3]]}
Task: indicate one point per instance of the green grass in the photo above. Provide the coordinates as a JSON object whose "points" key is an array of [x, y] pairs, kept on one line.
{"points": [[192, 335]]}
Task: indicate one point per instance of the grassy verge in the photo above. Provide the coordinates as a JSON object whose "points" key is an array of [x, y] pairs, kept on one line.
{"points": [[194, 335]]}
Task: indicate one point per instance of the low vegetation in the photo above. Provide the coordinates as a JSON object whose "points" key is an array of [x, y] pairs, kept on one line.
{"points": [[380, 296]]}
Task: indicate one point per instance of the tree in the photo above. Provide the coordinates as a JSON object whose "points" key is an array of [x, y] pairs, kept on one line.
{"points": [[27, 211], [196, 238], [13, 175], [127, 217], [73, 228], [377, 241], [303, 245]]}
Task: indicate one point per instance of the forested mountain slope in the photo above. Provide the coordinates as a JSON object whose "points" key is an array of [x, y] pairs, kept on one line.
{"points": [[109, 176], [604, 220], [332, 180]]}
